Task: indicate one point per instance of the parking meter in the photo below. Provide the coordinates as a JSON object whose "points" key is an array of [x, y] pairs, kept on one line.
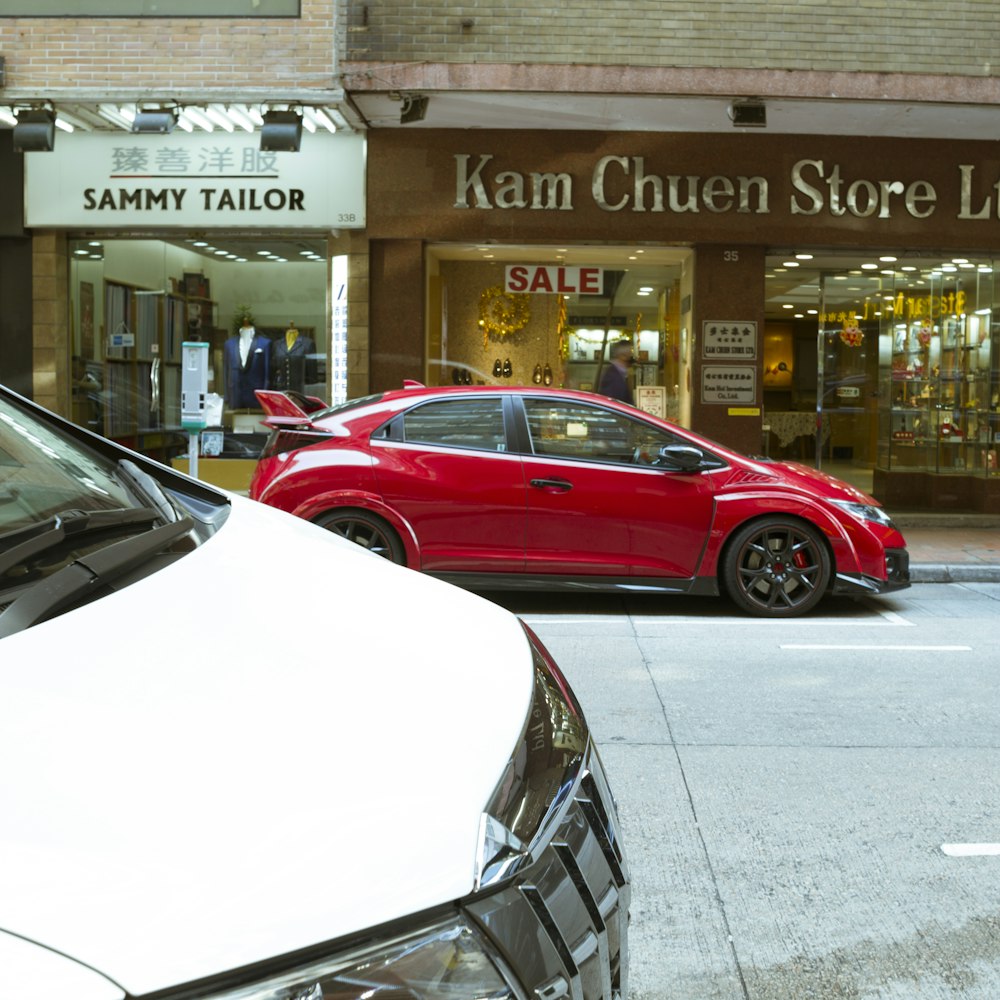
{"points": [[194, 390]]}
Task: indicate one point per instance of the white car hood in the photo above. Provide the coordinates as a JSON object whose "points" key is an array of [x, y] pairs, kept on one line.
{"points": [[277, 740]]}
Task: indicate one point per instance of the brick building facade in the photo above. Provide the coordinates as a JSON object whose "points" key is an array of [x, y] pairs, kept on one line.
{"points": [[880, 82]]}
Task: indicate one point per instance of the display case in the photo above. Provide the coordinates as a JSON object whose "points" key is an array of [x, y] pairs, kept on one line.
{"points": [[587, 346], [139, 380], [940, 400]]}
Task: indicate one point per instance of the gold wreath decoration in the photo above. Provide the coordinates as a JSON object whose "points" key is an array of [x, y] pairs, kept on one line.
{"points": [[502, 313]]}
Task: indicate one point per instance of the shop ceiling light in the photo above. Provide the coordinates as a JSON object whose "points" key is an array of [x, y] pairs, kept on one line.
{"points": [[750, 113], [281, 132], [110, 113], [239, 117], [35, 131], [159, 120], [220, 118], [197, 117], [320, 117]]}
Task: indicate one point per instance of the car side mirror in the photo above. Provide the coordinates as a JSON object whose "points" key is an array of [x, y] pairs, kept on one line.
{"points": [[686, 457]]}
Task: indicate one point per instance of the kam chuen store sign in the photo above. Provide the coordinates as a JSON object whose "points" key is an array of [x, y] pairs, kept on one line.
{"points": [[813, 187], [195, 181]]}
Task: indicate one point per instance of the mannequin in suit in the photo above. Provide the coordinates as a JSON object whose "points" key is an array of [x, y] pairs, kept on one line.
{"points": [[292, 364], [247, 359]]}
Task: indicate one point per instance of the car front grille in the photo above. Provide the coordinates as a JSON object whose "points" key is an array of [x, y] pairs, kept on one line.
{"points": [[561, 926]]}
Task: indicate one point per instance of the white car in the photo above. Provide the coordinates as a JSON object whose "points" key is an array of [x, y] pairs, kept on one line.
{"points": [[243, 759]]}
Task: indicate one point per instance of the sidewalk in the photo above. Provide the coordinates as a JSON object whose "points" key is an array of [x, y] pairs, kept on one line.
{"points": [[952, 548]]}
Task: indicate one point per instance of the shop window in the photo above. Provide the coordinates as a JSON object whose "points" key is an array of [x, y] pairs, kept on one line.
{"points": [[882, 365], [261, 306], [547, 315]]}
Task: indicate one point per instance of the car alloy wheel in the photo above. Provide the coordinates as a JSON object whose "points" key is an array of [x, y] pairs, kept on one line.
{"points": [[776, 568], [367, 530]]}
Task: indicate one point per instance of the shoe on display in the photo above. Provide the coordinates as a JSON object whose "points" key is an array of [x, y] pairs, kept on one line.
{"points": [[497, 370], [547, 377], [537, 377], [456, 376], [507, 369]]}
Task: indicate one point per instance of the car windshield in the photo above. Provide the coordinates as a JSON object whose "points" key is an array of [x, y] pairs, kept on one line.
{"points": [[43, 472]]}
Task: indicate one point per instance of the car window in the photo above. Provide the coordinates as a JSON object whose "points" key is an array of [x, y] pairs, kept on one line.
{"points": [[43, 472], [457, 423], [564, 429]]}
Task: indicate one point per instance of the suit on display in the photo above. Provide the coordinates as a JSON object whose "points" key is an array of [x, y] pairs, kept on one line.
{"points": [[292, 361], [247, 361]]}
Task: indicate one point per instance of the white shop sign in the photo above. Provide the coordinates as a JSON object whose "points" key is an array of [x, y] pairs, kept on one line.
{"points": [[196, 180], [732, 384], [724, 339]]}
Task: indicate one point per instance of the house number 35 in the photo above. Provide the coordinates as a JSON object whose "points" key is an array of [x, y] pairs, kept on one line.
{"points": [[731, 256]]}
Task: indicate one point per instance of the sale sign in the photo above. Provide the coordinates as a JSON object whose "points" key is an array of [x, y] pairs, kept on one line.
{"points": [[559, 280]]}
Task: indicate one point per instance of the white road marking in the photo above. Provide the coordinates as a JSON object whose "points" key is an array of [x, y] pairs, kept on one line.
{"points": [[971, 850], [894, 618], [909, 648], [665, 621]]}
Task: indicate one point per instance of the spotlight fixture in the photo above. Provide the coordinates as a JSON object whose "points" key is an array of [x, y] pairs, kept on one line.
{"points": [[281, 132], [414, 108], [35, 131], [154, 120], [750, 113]]}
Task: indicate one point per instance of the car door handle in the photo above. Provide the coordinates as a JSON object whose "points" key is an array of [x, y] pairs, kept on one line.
{"points": [[561, 485]]}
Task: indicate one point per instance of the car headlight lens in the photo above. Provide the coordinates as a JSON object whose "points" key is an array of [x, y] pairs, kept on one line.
{"points": [[446, 961], [865, 512], [540, 778]]}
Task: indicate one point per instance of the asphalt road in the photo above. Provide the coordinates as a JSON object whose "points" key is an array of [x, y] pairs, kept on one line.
{"points": [[810, 807]]}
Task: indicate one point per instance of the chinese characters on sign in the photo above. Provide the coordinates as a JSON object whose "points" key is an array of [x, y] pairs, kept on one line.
{"points": [[728, 384], [211, 157], [725, 339], [652, 399], [195, 181]]}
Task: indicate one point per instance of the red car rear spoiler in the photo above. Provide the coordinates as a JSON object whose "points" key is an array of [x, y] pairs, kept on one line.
{"points": [[287, 409]]}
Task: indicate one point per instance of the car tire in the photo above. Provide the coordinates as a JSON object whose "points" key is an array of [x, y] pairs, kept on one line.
{"points": [[367, 530], [776, 567]]}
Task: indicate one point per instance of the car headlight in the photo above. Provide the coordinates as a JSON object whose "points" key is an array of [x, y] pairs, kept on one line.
{"points": [[865, 512], [448, 960], [540, 778]]}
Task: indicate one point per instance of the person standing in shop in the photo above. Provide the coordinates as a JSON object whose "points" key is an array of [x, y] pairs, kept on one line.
{"points": [[615, 377]]}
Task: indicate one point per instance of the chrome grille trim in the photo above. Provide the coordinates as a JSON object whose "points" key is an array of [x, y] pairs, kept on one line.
{"points": [[599, 933], [561, 922], [535, 901]]}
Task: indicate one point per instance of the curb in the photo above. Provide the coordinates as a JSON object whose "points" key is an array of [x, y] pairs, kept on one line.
{"points": [[941, 573]]}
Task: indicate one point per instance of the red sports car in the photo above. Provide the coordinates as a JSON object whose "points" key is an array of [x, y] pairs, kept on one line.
{"points": [[541, 488]]}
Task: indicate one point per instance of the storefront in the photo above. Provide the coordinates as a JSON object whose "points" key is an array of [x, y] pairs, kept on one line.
{"points": [[806, 297], [198, 238]]}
